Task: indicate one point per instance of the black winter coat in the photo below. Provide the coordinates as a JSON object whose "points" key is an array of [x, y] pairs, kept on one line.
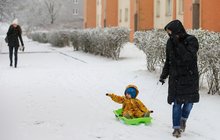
{"points": [[13, 34], [181, 66]]}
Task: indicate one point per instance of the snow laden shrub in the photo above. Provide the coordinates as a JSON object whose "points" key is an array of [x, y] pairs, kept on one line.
{"points": [[56, 38], [105, 42], [209, 62], [74, 39], [153, 44], [85, 40], [41, 37], [59, 38], [116, 37]]}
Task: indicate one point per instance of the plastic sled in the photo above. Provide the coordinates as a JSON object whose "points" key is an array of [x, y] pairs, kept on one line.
{"points": [[134, 121]]}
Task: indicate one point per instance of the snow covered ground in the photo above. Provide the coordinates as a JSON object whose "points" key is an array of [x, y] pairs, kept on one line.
{"points": [[59, 94]]}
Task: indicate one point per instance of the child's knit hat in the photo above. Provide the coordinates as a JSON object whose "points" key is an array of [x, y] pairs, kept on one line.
{"points": [[132, 90]]}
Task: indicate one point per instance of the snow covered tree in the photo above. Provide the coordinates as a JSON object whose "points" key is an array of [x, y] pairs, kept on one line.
{"points": [[52, 8], [6, 8], [2, 6]]}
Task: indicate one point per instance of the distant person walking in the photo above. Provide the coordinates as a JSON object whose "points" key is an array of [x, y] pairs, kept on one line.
{"points": [[14, 32], [181, 67]]}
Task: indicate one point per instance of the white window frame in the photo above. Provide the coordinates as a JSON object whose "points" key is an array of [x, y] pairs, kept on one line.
{"points": [[75, 11], [169, 8], [158, 8], [75, 1], [181, 7], [120, 16], [126, 14]]}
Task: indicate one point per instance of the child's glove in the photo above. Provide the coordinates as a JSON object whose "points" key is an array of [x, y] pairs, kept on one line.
{"points": [[108, 94], [147, 114]]}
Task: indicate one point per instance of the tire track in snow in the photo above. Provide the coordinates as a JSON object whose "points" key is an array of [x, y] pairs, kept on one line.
{"points": [[70, 56]]}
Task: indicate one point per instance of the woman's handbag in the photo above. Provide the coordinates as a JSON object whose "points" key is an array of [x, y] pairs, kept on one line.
{"points": [[6, 39]]}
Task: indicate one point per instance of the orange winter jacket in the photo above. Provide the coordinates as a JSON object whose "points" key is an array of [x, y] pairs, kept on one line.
{"points": [[132, 107]]}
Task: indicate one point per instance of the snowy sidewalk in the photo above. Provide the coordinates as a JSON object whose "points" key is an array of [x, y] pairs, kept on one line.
{"points": [[59, 94]]}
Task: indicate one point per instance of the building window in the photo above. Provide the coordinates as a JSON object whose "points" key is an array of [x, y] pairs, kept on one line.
{"points": [[181, 7], [75, 12], [75, 1], [120, 16], [168, 7], [158, 8], [97, 21], [126, 14]]}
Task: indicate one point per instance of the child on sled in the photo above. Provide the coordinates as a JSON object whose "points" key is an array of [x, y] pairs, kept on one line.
{"points": [[131, 106]]}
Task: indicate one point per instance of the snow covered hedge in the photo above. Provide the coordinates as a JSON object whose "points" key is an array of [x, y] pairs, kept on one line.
{"points": [[105, 42], [56, 38], [59, 38], [41, 37], [153, 45]]}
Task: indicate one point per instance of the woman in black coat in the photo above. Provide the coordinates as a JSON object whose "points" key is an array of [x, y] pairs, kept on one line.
{"points": [[14, 32], [181, 67]]}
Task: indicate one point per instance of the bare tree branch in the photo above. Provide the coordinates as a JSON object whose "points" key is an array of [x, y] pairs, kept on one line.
{"points": [[53, 9]]}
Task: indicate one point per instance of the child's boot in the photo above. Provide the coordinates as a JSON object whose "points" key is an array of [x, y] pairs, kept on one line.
{"points": [[147, 114], [177, 133], [128, 116]]}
